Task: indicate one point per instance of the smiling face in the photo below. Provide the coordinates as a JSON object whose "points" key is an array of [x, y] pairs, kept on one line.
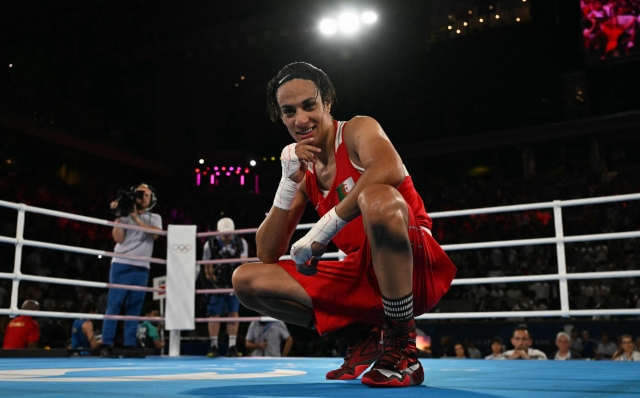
{"points": [[303, 112]]}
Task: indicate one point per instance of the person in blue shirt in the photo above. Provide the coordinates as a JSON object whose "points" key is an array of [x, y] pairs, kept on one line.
{"points": [[83, 336]]}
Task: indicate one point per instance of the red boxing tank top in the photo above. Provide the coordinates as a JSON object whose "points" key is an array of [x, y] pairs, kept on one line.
{"points": [[351, 237]]}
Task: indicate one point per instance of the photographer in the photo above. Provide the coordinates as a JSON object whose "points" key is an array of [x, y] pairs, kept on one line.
{"points": [[218, 276], [126, 271]]}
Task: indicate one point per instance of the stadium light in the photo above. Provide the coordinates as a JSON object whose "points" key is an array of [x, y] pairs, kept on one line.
{"points": [[252, 163], [369, 17], [328, 26], [348, 22]]}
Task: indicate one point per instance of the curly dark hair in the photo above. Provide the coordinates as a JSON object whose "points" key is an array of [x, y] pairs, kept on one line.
{"points": [[319, 78]]}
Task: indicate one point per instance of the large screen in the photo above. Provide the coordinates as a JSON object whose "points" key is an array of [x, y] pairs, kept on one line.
{"points": [[609, 29]]}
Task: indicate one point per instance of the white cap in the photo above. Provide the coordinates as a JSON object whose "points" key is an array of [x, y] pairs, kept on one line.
{"points": [[226, 224]]}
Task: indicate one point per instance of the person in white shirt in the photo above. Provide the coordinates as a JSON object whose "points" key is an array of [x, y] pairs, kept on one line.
{"points": [[496, 348], [127, 270], [627, 350], [565, 352], [521, 341], [264, 339]]}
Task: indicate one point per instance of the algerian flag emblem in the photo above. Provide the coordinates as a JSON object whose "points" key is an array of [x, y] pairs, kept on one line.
{"points": [[345, 188]]}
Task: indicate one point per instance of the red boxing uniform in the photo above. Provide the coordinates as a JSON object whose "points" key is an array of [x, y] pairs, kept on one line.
{"points": [[346, 292], [20, 332]]}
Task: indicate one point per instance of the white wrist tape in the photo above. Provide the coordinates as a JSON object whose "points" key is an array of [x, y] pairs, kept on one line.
{"points": [[324, 230], [287, 189]]}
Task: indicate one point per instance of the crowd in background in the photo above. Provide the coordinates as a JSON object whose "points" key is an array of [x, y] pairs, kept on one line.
{"points": [[20, 184]]}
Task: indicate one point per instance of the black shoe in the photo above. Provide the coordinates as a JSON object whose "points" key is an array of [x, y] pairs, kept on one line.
{"points": [[233, 352], [213, 352], [132, 352], [107, 352]]}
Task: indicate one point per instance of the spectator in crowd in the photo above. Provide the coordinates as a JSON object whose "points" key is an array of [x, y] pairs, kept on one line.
{"points": [[147, 334], [447, 347], [565, 352], [627, 350], [496, 349], [606, 348], [638, 344], [83, 336], [522, 341], [23, 331], [472, 350], [127, 271], [588, 345], [218, 276], [576, 341], [265, 338], [461, 351]]}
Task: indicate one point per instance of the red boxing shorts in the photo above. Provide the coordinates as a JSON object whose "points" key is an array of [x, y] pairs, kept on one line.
{"points": [[346, 292]]}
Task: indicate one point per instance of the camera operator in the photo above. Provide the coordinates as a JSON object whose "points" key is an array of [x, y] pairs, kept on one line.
{"points": [[218, 276], [127, 271]]}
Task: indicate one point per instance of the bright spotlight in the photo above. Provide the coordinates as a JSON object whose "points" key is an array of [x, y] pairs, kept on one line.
{"points": [[369, 17], [348, 22], [252, 163], [328, 26], [201, 161]]}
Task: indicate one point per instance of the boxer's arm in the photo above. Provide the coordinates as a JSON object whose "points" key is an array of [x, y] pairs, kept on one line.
{"points": [[369, 147], [274, 234]]}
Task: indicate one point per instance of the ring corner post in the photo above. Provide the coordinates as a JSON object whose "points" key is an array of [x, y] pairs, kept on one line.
{"points": [[181, 283]]}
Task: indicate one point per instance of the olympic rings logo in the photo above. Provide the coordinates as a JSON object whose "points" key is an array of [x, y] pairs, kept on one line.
{"points": [[182, 248]]}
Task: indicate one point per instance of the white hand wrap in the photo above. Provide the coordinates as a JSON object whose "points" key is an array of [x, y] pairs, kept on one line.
{"points": [[287, 189], [325, 229]]}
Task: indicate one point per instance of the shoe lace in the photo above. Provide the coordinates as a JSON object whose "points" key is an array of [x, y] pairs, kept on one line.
{"points": [[394, 345]]}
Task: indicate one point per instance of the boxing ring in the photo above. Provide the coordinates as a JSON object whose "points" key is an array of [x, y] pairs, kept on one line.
{"points": [[180, 376]]}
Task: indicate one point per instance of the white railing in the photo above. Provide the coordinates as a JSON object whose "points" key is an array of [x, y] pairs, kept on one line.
{"points": [[559, 240]]}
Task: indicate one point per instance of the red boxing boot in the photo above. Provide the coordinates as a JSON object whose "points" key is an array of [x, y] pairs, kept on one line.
{"points": [[363, 350], [398, 366]]}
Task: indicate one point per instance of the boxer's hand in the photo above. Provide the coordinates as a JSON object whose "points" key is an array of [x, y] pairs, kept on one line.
{"points": [[317, 250], [293, 167], [315, 242], [293, 171]]}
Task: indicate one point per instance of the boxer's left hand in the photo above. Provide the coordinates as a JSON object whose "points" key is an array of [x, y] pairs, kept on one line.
{"points": [[317, 250], [315, 242]]}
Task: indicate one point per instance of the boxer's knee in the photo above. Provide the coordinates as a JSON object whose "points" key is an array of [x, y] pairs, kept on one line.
{"points": [[382, 205], [243, 280], [385, 217]]}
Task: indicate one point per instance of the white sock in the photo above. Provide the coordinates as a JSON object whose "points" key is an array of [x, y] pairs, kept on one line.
{"points": [[232, 340], [214, 341]]}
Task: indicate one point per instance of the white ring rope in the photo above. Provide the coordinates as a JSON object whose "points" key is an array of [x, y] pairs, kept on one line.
{"points": [[534, 206], [559, 240], [70, 216], [81, 250]]}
